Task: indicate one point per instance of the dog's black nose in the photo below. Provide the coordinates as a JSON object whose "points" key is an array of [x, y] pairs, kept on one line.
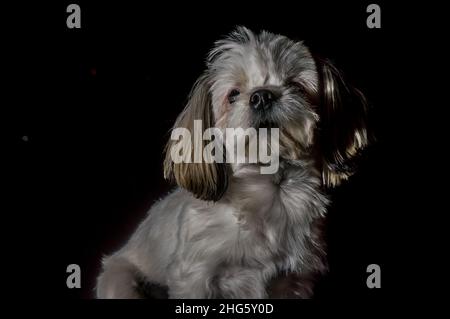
{"points": [[262, 99]]}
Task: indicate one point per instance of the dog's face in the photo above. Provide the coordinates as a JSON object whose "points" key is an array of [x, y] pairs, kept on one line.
{"points": [[268, 80], [265, 81]]}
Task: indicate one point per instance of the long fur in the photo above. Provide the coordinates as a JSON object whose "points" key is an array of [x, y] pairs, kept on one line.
{"points": [[229, 231]]}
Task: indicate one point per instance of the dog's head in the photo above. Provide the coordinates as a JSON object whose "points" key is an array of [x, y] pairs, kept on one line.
{"points": [[268, 80]]}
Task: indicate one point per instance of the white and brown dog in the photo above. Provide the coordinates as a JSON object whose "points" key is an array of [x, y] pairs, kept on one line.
{"points": [[229, 231]]}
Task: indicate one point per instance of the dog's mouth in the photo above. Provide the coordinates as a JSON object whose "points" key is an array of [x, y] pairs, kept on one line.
{"points": [[270, 118], [266, 120], [266, 125]]}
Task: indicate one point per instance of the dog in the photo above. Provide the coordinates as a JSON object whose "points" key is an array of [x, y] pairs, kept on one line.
{"points": [[229, 231]]}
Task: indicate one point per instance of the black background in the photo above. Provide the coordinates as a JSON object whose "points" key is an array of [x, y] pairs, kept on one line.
{"points": [[97, 103]]}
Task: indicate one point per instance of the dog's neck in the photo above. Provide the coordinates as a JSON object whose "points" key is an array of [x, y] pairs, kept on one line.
{"points": [[249, 190]]}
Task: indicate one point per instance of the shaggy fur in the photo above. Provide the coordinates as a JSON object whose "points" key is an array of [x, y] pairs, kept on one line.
{"points": [[229, 231]]}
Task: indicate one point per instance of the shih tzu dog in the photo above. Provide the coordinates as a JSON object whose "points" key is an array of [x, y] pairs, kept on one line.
{"points": [[229, 231]]}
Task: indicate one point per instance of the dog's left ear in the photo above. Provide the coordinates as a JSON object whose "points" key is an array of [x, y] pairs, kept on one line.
{"points": [[343, 127]]}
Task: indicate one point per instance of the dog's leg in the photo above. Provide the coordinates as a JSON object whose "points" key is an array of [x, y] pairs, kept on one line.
{"points": [[202, 280], [189, 283], [118, 279], [245, 283]]}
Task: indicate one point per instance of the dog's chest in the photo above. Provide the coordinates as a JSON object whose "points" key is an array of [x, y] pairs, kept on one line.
{"points": [[237, 233]]}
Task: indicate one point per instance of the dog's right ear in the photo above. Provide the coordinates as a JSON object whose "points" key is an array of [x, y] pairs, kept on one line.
{"points": [[206, 181]]}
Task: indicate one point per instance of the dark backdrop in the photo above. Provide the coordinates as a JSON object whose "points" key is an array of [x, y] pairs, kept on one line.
{"points": [[96, 105]]}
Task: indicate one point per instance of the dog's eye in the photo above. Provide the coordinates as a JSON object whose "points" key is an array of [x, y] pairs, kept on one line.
{"points": [[297, 87], [233, 95]]}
